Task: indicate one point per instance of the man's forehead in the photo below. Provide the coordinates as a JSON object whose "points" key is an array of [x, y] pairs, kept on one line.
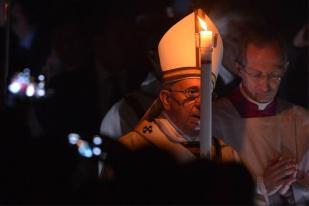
{"points": [[264, 49], [266, 56]]}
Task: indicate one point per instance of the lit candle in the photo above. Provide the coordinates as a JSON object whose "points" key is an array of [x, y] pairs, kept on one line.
{"points": [[205, 42], [206, 38], [206, 90]]}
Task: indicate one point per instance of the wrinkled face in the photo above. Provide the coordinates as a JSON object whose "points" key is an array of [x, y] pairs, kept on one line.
{"points": [[182, 103], [262, 73]]}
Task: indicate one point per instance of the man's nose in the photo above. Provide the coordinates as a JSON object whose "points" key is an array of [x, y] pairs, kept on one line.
{"points": [[265, 83]]}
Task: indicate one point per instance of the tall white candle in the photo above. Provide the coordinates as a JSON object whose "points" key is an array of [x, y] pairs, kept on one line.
{"points": [[206, 93]]}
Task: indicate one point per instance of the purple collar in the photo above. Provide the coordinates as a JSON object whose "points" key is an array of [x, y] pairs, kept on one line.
{"points": [[248, 109]]}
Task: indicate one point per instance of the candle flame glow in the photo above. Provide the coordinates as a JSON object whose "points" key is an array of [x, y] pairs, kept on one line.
{"points": [[203, 24]]}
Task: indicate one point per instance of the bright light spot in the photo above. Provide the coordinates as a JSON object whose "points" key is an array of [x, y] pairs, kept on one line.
{"points": [[97, 140], [41, 92], [41, 77], [96, 151], [14, 87], [30, 90], [85, 150], [73, 138], [88, 153]]}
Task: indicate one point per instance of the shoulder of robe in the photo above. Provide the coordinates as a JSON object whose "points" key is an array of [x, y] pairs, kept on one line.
{"points": [[137, 138], [290, 109]]}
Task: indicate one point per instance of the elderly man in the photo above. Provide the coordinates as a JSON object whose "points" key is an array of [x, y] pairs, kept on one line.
{"points": [[173, 122], [270, 135]]}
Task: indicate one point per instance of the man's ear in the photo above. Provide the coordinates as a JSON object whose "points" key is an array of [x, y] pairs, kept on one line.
{"points": [[165, 99]]}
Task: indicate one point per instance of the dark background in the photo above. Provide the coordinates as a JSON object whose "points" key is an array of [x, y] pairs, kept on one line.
{"points": [[108, 43]]}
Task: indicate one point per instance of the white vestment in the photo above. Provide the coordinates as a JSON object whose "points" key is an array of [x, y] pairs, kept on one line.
{"points": [[258, 140]]}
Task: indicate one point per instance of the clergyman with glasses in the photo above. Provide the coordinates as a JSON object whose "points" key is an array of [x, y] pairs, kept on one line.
{"points": [[270, 135], [172, 123]]}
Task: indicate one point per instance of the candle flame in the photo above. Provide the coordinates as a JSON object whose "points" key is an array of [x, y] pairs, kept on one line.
{"points": [[203, 24]]}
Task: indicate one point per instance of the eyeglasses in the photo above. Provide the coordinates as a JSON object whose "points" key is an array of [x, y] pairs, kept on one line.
{"points": [[276, 76], [190, 93], [257, 75]]}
